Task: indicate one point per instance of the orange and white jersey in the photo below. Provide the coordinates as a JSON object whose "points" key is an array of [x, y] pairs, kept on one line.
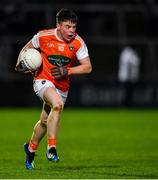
{"points": [[55, 52]]}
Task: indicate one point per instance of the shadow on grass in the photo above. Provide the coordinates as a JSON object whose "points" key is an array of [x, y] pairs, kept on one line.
{"points": [[74, 168], [101, 170]]}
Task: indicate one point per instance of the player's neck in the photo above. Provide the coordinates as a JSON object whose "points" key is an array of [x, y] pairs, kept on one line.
{"points": [[59, 36]]}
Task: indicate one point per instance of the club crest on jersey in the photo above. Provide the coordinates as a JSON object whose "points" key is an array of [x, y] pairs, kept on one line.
{"points": [[58, 60], [71, 47]]}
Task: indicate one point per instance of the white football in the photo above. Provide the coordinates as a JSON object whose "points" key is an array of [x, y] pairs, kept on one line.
{"points": [[31, 58]]}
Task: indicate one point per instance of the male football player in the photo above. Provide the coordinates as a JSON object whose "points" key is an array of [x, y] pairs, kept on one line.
{"points": [[59, 48]]}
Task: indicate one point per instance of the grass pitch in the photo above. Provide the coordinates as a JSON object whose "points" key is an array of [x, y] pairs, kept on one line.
{"points": [[92, 143]]}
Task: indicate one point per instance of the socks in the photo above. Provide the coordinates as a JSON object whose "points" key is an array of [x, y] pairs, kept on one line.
{"points": [[32, 146], [51, 143]]}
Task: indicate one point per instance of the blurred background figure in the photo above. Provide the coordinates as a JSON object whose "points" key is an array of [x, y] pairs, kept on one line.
{"points": [[128, 71], [129, 63]]}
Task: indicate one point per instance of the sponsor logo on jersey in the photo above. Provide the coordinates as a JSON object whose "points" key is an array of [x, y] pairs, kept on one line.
{"points": [[58, 60]]}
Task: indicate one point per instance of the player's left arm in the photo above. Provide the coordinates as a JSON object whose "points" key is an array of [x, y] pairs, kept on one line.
{"points": [[84, 67]]}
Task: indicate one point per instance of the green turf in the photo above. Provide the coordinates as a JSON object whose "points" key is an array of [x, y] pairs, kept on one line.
{"points": [[92, 144]]}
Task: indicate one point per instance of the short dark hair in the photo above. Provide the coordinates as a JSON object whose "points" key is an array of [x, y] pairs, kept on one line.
{"points": [[66, 15]]}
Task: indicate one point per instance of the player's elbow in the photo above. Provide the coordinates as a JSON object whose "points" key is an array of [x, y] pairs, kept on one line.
{"points": [[89, 69]]}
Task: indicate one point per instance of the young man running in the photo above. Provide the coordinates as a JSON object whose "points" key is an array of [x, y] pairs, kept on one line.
{"points": [[59, 48]]}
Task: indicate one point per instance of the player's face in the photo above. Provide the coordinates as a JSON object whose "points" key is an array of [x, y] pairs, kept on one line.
{"points": [[66, 30]]}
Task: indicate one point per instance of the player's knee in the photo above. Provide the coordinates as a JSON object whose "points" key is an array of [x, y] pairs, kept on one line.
{"points": [[58, 106]]}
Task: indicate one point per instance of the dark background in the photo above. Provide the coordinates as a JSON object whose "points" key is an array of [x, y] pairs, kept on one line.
{"points": [[106, 26]]}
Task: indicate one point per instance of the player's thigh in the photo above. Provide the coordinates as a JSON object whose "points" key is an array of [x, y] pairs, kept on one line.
{"points": [[53, 98], [41, 85]]}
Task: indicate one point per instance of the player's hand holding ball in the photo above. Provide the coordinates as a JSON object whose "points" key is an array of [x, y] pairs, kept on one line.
{"points": [[29, 61]]}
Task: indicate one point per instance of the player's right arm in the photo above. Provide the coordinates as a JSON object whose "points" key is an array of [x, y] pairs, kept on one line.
{"points": [[33, 43], [19, 67], [28, 45]]}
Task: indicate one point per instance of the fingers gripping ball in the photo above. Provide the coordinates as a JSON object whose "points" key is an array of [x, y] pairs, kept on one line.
{"points": [[21, 67], [59, 72], [30, 59]]}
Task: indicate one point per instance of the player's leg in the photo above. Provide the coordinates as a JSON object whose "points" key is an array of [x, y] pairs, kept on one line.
{"points": [[55, 101], [38, 133], [40, 128], [51, 96]]}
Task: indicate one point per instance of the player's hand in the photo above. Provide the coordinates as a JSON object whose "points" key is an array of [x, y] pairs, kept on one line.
{"points": [[59, 72], [23, 69]]}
